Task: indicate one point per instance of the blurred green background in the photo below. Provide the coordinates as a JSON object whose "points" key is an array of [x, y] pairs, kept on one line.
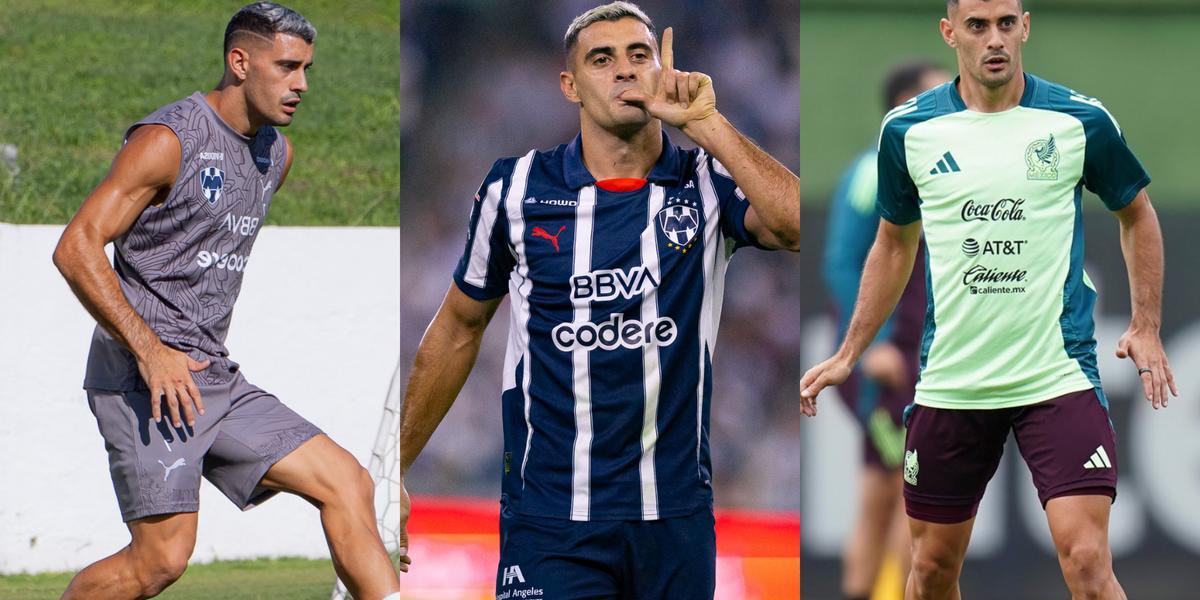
{"points": [[1138, 57], [76, 74]]}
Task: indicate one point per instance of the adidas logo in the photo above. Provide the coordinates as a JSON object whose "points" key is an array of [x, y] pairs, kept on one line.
{"points": [[946, 165], [531, 200], [1099, 460]]}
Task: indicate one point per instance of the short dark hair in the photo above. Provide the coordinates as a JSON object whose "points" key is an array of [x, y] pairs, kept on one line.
{"points": [[267, 19], [905, 76], [609, 12]]}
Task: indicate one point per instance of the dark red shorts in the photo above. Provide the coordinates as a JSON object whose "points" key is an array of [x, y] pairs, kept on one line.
{"points": [[1067, 442]]}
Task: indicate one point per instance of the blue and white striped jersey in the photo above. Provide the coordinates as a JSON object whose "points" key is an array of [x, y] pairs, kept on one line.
{"points": [[616, 297]]}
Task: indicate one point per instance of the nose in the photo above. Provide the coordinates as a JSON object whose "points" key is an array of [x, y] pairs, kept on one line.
{"points": [[995, 40], [625, 70], [301, 82]]}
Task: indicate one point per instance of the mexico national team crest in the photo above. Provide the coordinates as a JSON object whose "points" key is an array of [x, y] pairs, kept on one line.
{"points": [[1042, 158], [911, 467], [680, 224], [212, 180]]}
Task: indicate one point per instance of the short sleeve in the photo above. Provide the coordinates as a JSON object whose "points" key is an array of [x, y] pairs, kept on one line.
{"points": [[733, 205], [898, 201], [1110, 170], [486, 263]]}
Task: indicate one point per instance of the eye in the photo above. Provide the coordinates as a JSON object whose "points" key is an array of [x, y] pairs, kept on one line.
{"points": [[601, 60], [640, 56]]}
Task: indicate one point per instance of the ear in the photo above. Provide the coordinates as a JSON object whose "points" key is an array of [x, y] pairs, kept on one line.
{"points": [[947, 31], [238, 62], [566, 82], [1025, 36]]}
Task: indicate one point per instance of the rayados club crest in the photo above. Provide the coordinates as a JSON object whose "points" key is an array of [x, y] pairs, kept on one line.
{"points": [[680, 224], [1042, 158], [212, 180]]}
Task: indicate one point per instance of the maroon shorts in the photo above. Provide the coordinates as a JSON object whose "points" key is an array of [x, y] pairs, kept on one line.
{"points": [[1068, 443]]}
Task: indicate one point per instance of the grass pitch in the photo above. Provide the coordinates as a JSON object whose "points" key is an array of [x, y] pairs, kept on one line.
{"points": [[264, 579], [76, 74]]}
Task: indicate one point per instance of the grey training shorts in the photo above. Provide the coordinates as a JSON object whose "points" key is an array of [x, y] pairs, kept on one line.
{"points": [[156, 468]]}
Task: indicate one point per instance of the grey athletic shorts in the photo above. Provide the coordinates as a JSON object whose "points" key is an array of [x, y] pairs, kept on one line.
{"points": [[156, 467]]}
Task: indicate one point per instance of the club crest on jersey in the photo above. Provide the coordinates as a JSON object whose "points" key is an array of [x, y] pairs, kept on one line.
{"points": [[1042, 158], [212, 180], [680, 224]]}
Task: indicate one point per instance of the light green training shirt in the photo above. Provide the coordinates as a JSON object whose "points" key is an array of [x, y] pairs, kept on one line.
{"points": [[1009, 318]]}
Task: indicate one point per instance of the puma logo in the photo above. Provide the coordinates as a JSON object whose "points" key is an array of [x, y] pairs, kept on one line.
{"points": [[174, 465], [539, 232]]}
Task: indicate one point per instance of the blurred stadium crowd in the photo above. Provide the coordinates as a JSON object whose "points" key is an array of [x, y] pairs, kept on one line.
{"points": [[479, 81]]}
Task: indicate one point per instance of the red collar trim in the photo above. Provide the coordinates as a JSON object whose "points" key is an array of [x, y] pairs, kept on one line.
{"points": [[621, 184]]}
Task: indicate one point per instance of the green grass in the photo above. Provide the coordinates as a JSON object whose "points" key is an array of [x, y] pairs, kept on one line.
{"points": [[1135, 64], [76, 74], [264, 579]]}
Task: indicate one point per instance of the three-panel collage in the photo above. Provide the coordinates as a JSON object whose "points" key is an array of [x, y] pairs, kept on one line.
{"points": [[482, 256]]}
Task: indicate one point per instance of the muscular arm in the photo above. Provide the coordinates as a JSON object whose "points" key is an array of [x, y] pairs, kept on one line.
{"points": [[444, 359], [771, 189], [1141, 244], [687, 101], [884, 276], [142, 173]]}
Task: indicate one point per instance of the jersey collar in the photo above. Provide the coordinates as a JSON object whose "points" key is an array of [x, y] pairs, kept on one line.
{"points": [[956, 101], [667, 170]]}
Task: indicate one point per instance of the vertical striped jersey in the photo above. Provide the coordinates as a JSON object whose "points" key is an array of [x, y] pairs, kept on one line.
{"points": [[616, 290]]}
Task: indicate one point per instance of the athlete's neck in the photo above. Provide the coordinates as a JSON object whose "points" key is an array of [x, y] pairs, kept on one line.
{"points": [[981, 98], [608, 156], [230, 105]]}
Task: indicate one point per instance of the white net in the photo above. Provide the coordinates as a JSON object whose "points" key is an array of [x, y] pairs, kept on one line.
{"points": [[385, 469]]}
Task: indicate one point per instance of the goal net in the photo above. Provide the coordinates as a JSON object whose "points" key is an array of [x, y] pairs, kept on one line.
{"points": [[385, 469]]}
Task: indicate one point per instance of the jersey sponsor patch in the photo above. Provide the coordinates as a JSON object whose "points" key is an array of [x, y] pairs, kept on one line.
{"points": [[616, 332]]}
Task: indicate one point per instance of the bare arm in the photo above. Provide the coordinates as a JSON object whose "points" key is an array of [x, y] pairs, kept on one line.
{"points": [[771, 189], [687, 101], [885, 274], [289, 154], [444, 359], [1141, 244], [142, 173]]}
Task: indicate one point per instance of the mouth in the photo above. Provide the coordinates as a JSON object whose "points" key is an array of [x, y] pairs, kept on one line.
{"points": [[289, 106], [995, 63]]}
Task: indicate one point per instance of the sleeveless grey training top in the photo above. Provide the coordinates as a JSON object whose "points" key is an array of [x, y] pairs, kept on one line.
{"points": [[181, 263]]}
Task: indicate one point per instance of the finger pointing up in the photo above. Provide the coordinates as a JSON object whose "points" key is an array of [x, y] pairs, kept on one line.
{"points": [[667, 54]]}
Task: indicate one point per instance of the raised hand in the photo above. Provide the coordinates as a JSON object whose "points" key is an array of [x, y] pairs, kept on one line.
{"points": [[682, 98]]}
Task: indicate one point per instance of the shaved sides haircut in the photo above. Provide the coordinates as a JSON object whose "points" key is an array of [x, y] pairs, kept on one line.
{"points": [[609, 12], [264, 20]]}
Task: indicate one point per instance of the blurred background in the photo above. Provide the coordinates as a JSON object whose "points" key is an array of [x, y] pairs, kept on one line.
{"points": [[479, 81], [1137, 57]]}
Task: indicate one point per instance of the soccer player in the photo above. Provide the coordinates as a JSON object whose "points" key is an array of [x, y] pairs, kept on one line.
{"points": [[876, 393], [614, 249], [992, 167], [182, 205]]}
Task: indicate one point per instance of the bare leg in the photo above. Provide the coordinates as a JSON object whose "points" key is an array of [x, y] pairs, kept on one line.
{"points": [[878, 497], [937, 558], [899, 542], [1079, 525], [333, 481], [153, 560]]}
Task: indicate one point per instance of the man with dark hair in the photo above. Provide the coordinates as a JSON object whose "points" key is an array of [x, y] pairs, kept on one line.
{"points": [[876, 393], [613, 249], [992, 168], [182, 204]]}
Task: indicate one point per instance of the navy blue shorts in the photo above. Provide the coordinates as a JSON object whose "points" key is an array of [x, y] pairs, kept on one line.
{"points": [[560, 559]]}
